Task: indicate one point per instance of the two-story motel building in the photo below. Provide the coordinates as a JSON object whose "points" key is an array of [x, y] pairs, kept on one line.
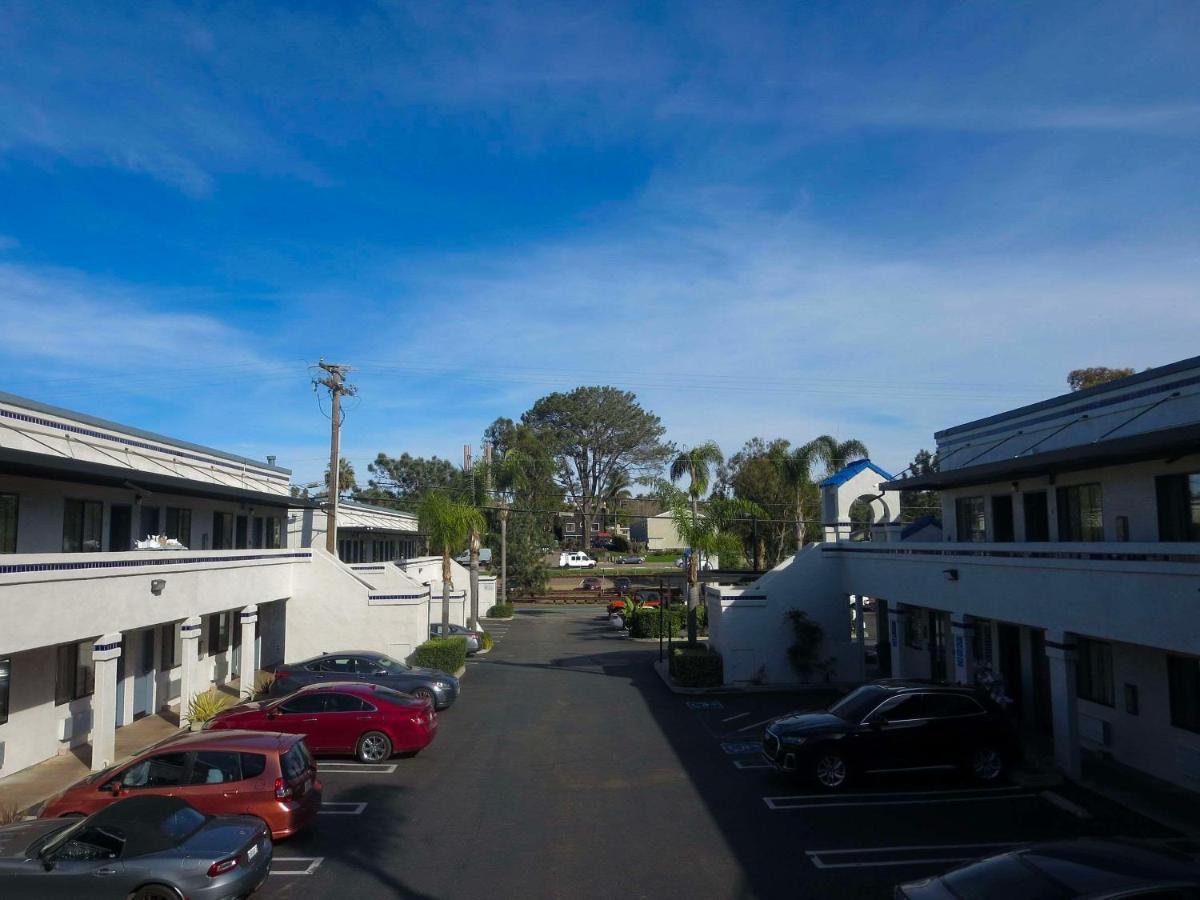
{"points": [[1069, 565], [95, 633]]}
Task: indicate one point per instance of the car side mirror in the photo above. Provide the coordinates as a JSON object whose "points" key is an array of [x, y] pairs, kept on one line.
{"points": [[380, 672], [114, 787], [47, 861]]}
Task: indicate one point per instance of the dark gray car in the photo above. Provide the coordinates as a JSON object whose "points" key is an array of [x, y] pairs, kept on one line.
{"points": [[434, 685], [147, 848], [474, 639]]}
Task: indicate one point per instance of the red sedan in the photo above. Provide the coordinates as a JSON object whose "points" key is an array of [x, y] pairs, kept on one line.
{"points": [[341, 717]]}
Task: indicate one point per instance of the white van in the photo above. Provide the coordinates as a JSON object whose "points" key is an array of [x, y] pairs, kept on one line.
{"points": [[485, 557], [578, 560]]}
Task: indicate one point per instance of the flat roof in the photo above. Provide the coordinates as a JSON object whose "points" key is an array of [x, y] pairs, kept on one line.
{"points": [[1075, 396], [59, 411], [1171, 443]]}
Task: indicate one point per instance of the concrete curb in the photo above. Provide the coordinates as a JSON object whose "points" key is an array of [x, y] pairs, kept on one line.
{"points": [[788, 688], [502, 619]]}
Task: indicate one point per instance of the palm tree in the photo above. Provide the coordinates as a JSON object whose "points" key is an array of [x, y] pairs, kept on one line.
{"points": [[838, 454], [506, 476], [697, 464], [449, 525], [346, 479]]}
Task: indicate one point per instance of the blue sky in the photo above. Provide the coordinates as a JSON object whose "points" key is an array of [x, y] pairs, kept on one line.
{"points": [[869, 220]]}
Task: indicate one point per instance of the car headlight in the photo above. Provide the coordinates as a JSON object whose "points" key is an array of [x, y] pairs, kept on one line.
{"points": [[440, 686], [793, 741]]}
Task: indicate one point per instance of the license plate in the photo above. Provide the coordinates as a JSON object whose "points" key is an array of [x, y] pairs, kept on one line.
{"points": [[252, 852]]}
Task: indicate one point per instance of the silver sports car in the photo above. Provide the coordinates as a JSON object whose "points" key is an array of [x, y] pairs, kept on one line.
{"points": [[147, 848]]}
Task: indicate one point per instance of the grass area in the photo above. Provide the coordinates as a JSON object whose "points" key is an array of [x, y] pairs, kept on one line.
{"points": [[661, 557]]}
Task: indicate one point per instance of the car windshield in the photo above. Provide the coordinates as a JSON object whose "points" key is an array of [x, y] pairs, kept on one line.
{"points": [[391, 665], [855, 705]]}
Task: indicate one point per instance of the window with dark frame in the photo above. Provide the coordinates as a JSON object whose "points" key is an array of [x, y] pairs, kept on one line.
{"points": [[83, 526], [76, 675], [972, 527], [179, 525], [218, 633], [1183, 685], [166, 641], [5, 686], [1002, 519], [274, 533], [1094, 671], [1037, 516], [1080, 513], [1178, 507], [8, 523], [222, 532]]}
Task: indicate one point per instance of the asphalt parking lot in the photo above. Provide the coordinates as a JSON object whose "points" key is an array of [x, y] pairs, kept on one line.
{"points": [[567, 769]]}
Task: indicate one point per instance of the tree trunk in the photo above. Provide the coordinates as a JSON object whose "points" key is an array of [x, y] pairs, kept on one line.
{"points": [[474, 578], [502, 596], [693, 596], [799, 522], [446, 585]]}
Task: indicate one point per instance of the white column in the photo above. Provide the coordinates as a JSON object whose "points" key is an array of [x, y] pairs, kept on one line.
{"points": [[1060, 648], [962, 637], [105, 653], [897, 619], [247, 664], [189, 675]]}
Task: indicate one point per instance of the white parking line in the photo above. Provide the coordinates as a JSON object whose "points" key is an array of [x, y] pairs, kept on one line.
{"points": [[335, 808], [751, 764], [349, 768], [738, 748], [1065, 805], [909, 798], [313, 863], [738, 716], [964, 852]]}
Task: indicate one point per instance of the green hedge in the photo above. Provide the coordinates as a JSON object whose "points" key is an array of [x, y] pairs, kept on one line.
{"points": [[645, 622], [500, 611], [696, 667], [488, 642], [448, 654]]}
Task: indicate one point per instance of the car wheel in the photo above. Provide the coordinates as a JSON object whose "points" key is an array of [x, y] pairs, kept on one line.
{"points": [[373, 747], [831, 771], [986, 764], [425, 694], [157, 892]]}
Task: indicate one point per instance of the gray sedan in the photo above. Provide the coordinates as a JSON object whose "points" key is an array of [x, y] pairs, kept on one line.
{"points": [[438, 687], [147, 848], [474, 638]]}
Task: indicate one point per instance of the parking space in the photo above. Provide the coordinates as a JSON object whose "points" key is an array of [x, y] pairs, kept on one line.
{"points": [[883, 829]]}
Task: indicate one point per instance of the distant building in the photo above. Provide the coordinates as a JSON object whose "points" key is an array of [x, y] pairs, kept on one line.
{"points": [[366, 532]]}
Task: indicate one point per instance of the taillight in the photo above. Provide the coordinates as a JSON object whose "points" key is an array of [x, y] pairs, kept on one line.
{"points": [[221, 866], [282, 789], [282, 673]]}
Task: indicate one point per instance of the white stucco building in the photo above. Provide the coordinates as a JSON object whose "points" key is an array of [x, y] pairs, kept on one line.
{"points": [[367, 533], [1069, 565], [95, 634]]}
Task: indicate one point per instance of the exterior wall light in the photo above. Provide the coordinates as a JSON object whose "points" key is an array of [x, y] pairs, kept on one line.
{"points": [[157, 585], [950, 574]]}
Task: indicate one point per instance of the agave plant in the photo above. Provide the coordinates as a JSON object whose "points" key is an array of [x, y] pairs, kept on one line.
{"points": [[204, 706], [262, 686]]}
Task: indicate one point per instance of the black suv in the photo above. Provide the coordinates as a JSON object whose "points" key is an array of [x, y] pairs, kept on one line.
{"points": [[894, 726]]}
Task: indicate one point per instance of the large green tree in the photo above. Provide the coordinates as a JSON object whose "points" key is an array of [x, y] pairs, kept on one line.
{"points": [[752, 474], [1081, 379], [915, 504], [406, 479], [696, 464], [594, 432]]}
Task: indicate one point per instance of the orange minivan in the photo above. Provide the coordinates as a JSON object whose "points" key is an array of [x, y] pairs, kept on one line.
{"points": [[253, 773]]}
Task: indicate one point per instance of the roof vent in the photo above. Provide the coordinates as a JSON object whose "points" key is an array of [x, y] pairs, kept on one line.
{"points": [[270, 460]]}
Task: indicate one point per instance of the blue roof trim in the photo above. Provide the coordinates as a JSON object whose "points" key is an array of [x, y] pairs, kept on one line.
{"points": [[844, 475]]}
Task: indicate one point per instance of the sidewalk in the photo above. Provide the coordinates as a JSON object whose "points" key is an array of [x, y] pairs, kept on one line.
{"points": [[1168, 804], [32, 786]]}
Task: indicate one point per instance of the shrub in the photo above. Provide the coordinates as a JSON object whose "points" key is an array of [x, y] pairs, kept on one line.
{"points": [[696, 667], [262, 686], [448, 654], [10, 814], [500, 611], [204, 706], [488, 643], [645, 622]]}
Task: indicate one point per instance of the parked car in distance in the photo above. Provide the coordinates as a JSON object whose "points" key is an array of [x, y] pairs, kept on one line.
{"points": [[622, 585], [139, 847], [591, 584], [474, 638], [485, 557], [434, 685], [222, 773], [894, 725], [575, 560], [1080, 868], [631, 560], [341, 717]]}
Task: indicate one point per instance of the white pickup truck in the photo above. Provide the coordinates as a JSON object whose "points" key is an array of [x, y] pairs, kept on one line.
{"points": [[575, 561]]}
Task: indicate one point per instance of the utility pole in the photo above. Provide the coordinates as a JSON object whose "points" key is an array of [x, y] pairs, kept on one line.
{"points": [[335, 381]]}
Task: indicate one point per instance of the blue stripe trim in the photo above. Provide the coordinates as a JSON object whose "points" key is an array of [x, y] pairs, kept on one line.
{"points": [[397, 596], [167, 560], [97, 648], [143, 445]]}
